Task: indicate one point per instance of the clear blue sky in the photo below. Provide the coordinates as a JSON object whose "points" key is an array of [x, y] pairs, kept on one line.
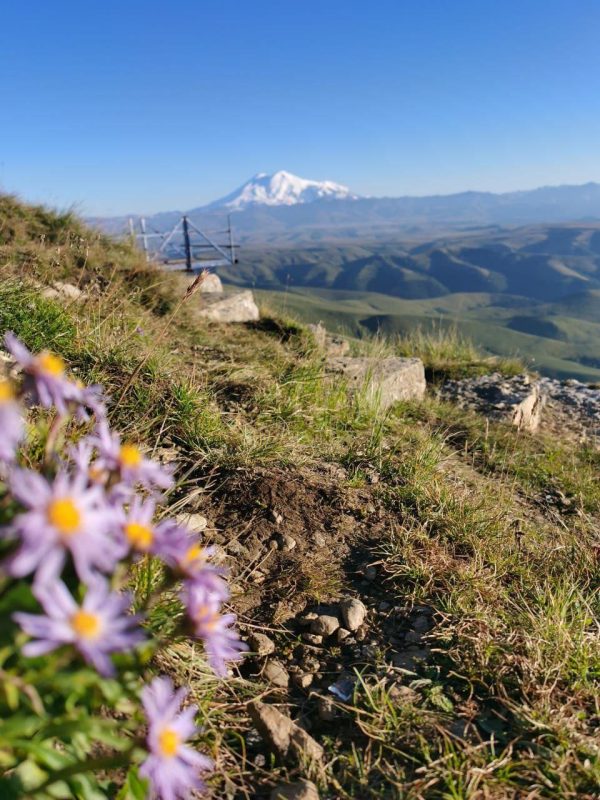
{"points": [[119, 106]]}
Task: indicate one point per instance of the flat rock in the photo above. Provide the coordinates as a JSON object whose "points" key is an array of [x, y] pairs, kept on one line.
{"points": [[276, 674], [301, 790], [282, 735], [195, 522], [228, 307], [67, 291], [384, 380], [353, 613], [261, 644]]}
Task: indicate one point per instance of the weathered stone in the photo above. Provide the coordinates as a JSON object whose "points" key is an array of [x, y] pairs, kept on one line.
{"points": [[261, 644], [282, 735], [276, 674], [59, 289], [312, 638], [301, 790], [307, 618], [342, 634], [228, 307], [195, 522], [211, 284], [336, 346], [285, 542], [384, 380], [353, 613], [325, 625], [303, 680]]}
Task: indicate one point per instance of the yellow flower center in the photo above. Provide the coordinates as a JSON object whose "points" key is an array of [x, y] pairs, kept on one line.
{"points": [[86, 625], [195, 556], [51, 364], [207, 618], [7, 393], [140, 536], [168, 742], [130, 456], [64, 515]]}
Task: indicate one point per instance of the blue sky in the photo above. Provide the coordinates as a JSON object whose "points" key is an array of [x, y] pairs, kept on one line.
{"points": [[145, 106]]}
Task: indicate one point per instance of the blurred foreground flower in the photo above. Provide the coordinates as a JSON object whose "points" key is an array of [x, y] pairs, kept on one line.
{"points": [[172, 767], [63, 516], [98, 627], [222, 644], [12, 427]]}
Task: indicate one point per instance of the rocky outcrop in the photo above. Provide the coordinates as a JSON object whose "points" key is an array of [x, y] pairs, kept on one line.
{"points": [[228, 306], [384, 380], [518, 401]]}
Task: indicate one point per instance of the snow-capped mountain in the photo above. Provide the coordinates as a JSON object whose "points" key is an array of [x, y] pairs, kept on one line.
{"points": [[281, 189]]}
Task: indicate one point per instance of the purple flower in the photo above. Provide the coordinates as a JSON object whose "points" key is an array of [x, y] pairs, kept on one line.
{"points": [[90, 398], [182, 551], [12, 426], [172, 767], [138, 531], [128, 461], [97, 628], [46, 381], [64, 516], [220, 642]]}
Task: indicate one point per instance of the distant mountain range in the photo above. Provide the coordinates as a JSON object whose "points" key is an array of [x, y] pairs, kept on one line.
{"points": [[284, 207]]}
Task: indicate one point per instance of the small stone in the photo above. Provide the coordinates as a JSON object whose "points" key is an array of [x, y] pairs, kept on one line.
{"points": [[285, 542], [284, 736], [353, 613], [326, 709], [276, 517], [276, 673], [312, 638], [304, 680], [195, 522], [371, 573], [306, 619], [325, 625], [301, 790], [342, 634], [361, 633], [309, 664], [261, 644]]}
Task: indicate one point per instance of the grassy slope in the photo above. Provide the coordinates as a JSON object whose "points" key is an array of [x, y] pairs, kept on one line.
{"points": [[456, 515], [475, 315]]}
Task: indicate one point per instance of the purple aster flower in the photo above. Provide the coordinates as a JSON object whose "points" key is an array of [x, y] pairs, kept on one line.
{"points": [[220, 642], [97, 628], [90, 398], [128, 461], [184, 553], [139, 532], [65, 515], [46, 381], [12, 426], [172, 767]]}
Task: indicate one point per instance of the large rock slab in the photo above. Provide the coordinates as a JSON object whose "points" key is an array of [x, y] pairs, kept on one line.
{"points": [[519, 400], [385, 380], [228, 307]]}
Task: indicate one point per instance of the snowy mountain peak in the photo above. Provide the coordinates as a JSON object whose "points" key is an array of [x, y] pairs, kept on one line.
{"points": [[282, 189]]}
